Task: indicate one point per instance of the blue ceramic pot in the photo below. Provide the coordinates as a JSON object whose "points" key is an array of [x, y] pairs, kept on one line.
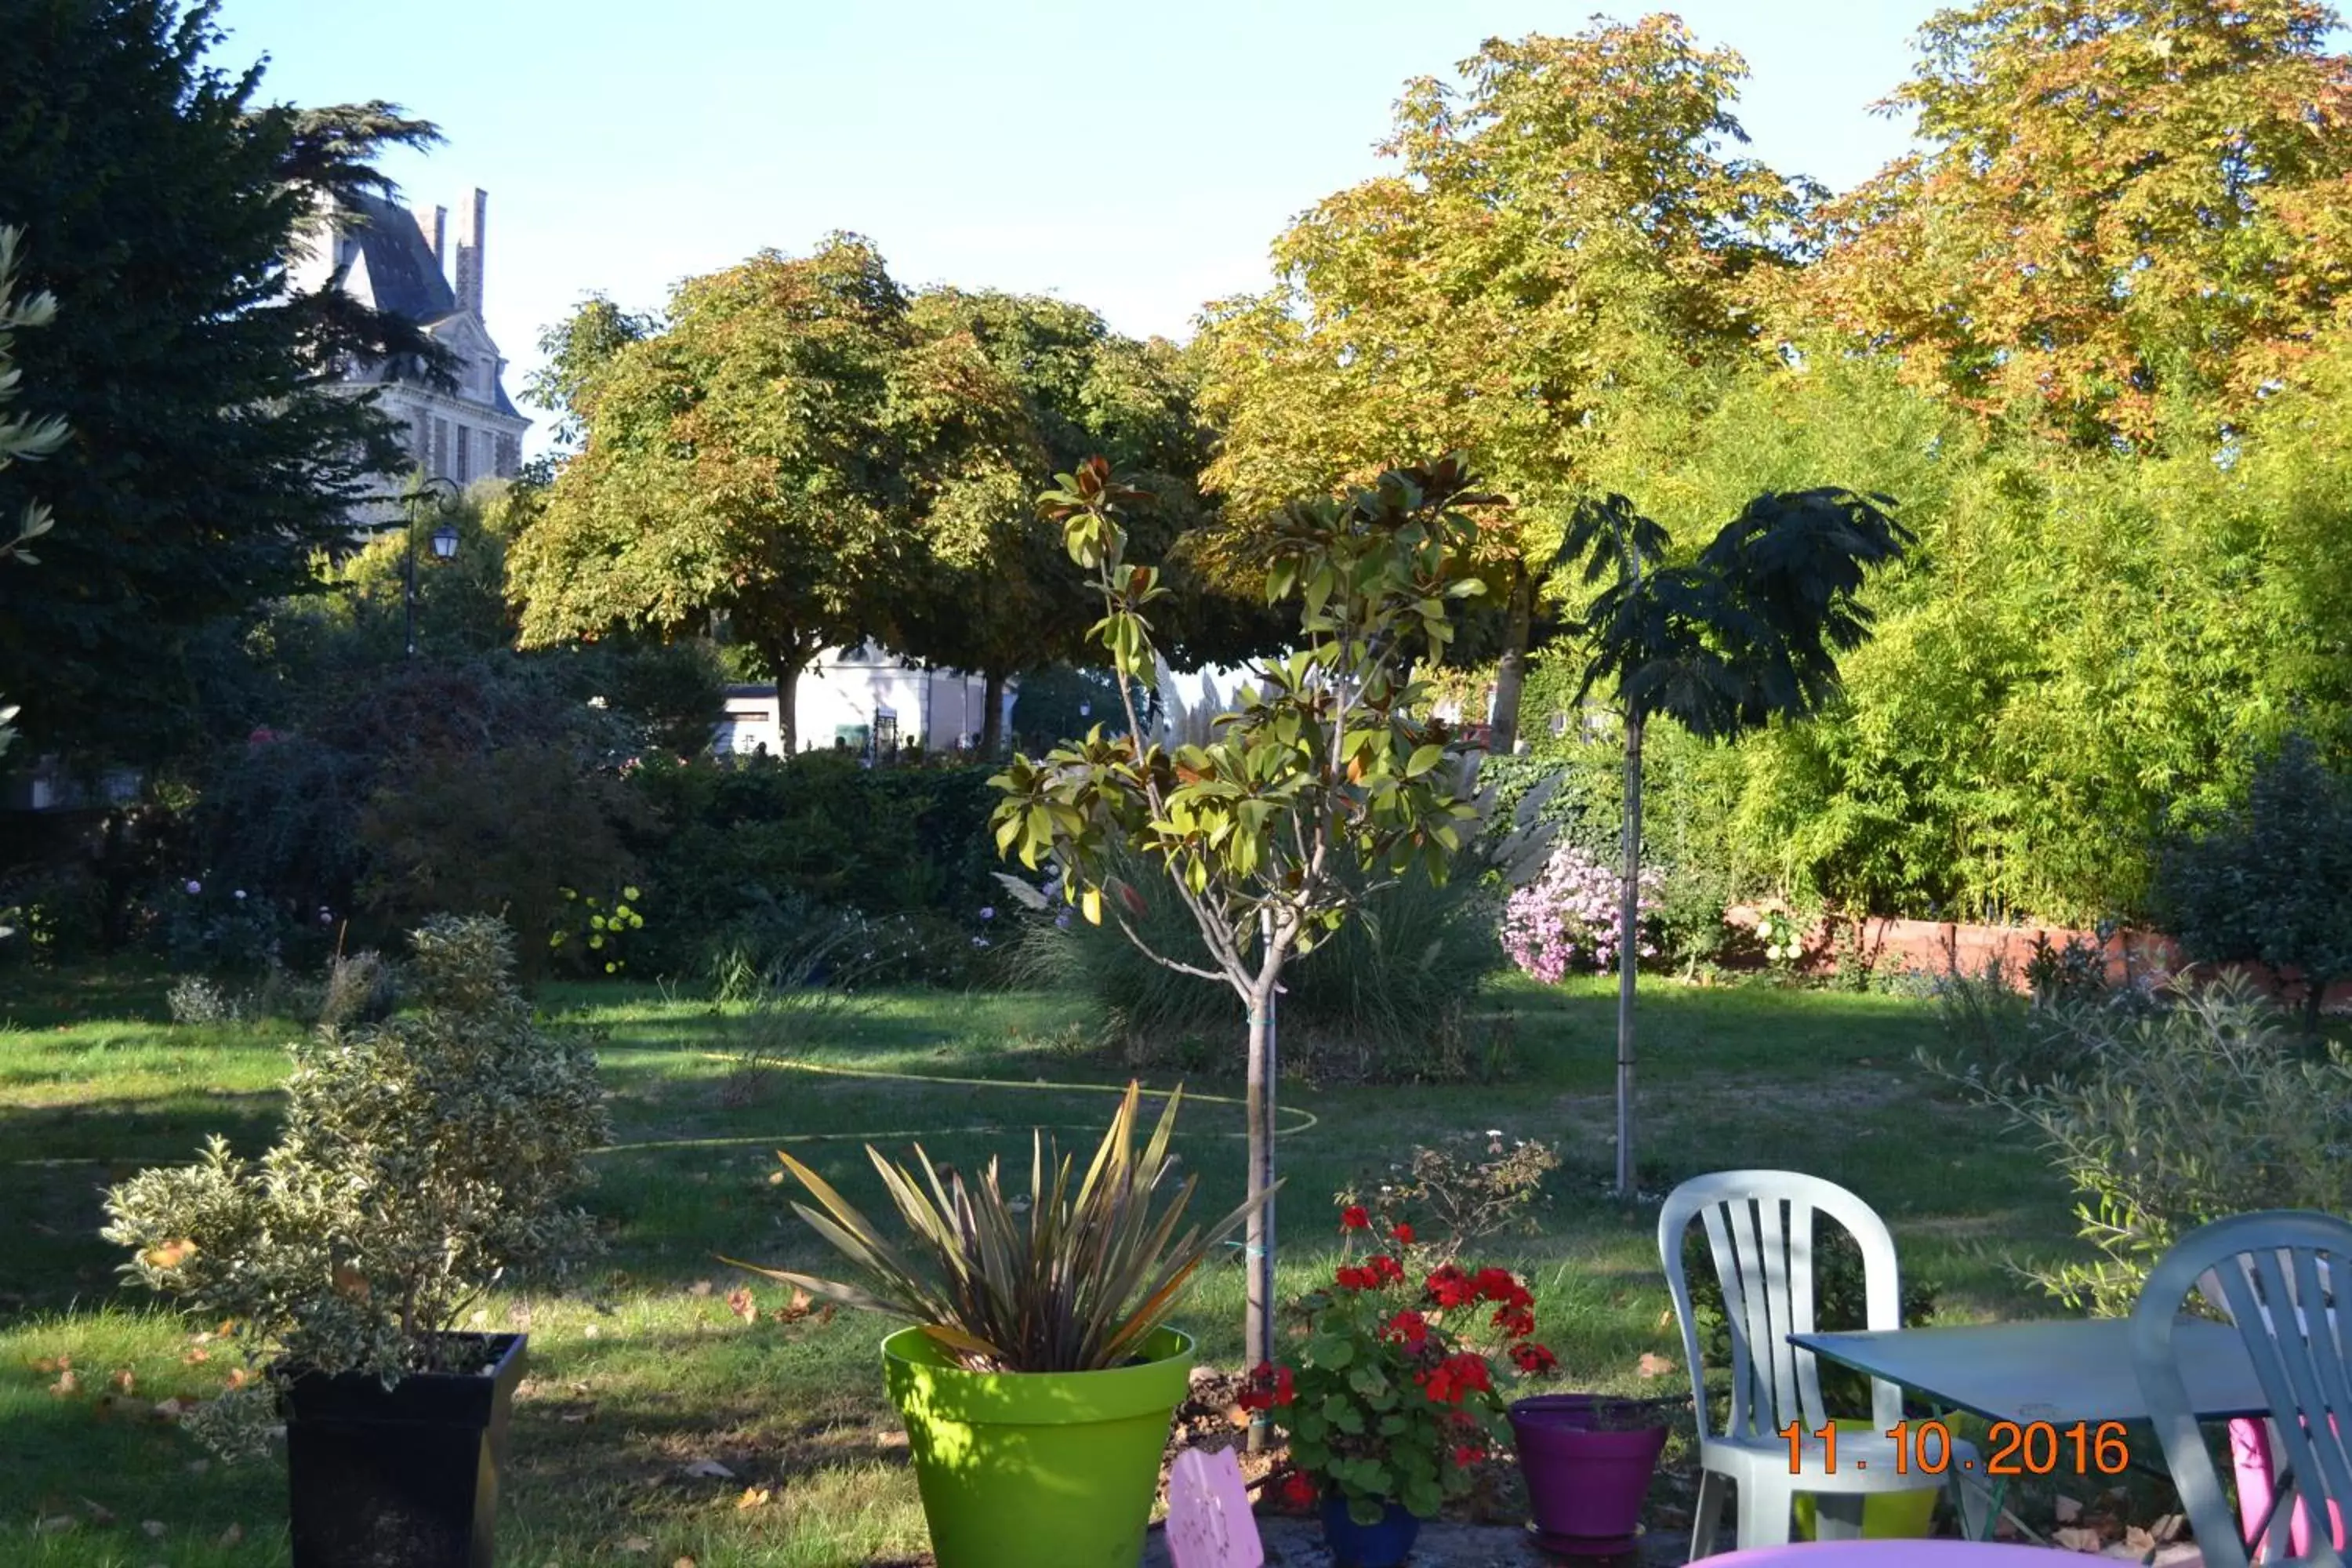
{"points": [[1384, 1545]]}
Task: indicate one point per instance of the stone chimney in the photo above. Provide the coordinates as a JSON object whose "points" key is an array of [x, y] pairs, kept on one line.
{"points": [[466, 277], [436, 231]]}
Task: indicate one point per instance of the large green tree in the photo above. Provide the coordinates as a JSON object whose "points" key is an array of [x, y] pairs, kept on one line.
{"points": [[998, 594], [2117, 202], [1567, 226], [209, 457], [22, 438], [766, 455]]}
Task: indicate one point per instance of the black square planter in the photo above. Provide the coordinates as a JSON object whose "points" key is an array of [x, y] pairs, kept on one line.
{"points": [[400, 1477]]}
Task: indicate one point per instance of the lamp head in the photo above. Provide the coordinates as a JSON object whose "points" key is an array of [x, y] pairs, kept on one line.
{"points": [[445, 541]]}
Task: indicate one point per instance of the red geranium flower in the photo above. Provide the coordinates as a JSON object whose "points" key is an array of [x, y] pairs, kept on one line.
{"points": [[1299, 1490], [1514, 1321], [1404, 1236], [1533, 1358], [1498, 1284], [1467, 1455], [1384, 1270], [1351, 1279], [1409, 1328], [1268, 1386], [1353, 1217], [1457, 1376], [1449, 1287]]}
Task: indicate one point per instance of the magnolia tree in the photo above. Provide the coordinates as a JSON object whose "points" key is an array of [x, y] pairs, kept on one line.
{"points": [[1328, 781]]}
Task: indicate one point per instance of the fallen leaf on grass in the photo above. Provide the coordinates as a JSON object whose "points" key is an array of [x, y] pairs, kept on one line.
{"points": [[710, 1470], [66, 1384], [154, 1528], [197, 1357], [54, 1525], [179, 1405], [99, 1512], [125, 1382], [2066, 1509], [2074, 1537], [50, 1365], [238, 1376], [754, 1497], [740, 1302], [699, 1287], [683, 1562], [637, 1543], [797, 1308], [1653, 1365], [232, 1535], [591, 1331]]}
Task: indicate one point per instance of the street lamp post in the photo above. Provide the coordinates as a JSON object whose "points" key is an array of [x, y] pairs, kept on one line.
{"points": [[443, 494]]}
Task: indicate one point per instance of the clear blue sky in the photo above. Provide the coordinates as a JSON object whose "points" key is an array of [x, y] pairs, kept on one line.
{"points": [[1138, 158]]}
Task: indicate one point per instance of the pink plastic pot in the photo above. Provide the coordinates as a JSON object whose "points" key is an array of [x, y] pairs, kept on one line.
{"points": [[2249, 1447], [1587, 1459]]}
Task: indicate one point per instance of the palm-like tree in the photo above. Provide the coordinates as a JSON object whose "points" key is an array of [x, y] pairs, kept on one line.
{"points": [[1747, 632]]}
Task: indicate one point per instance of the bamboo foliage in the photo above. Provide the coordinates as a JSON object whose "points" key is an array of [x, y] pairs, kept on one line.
{"points": [[1063, 1278]]}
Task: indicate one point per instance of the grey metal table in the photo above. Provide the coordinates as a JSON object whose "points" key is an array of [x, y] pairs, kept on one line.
{"points": [[2052, 1374], [2060, 1372]]}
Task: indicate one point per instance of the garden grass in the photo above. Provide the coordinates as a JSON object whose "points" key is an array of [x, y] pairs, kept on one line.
{"points": [[641, 1386]]}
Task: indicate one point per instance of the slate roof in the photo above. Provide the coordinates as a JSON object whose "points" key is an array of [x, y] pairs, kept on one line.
{"points": [[407, 280]]}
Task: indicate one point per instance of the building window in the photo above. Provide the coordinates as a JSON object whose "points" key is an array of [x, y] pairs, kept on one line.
{"points": [[510, 457], [440, 464], [465, 456], [420, 440]]}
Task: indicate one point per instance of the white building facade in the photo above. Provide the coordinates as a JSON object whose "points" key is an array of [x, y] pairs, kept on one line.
{"points": [[853, 695], [417, 265]]}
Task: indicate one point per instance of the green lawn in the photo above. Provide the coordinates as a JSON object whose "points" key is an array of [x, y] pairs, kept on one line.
{"points": [[627, 1393]]}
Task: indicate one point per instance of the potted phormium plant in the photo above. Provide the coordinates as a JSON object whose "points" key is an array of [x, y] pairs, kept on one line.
{"points": [[422, 1158], [1389, 1405], [1039, 1378]]}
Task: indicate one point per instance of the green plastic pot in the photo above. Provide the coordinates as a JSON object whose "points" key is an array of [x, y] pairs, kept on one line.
{"points": [[1885, 1516], [1019, 1469]]}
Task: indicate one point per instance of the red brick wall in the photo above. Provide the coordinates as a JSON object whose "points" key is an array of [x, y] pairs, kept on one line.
{"points": [[1931, 946]]}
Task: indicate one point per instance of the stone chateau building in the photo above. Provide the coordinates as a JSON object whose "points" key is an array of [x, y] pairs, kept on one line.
{"points": [[415, 264]]}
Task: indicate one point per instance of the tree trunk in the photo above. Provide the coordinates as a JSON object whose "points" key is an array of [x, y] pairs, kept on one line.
{"points": [[788, 661], [1511, 667], [991, 718], [1629, 894], [2315, 993], [1257, 1336]]}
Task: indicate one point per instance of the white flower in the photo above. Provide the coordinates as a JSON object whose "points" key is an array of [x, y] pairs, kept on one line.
{"points": [[988, 911], [195, 886], [238, 895], [1763, 924], [1493, 1132], [597, 702], [1772, 952]]}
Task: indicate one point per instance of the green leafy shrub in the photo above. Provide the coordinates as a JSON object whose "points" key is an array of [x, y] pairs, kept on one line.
{"points": [[2270, 880], [1072, 1276], [815, 830], [508, 833], [422, 1159], [1385, 996], [2178, 1117]]}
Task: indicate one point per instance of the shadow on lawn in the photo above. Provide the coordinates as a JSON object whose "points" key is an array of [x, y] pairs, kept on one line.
{"points": [[53, 1186]]}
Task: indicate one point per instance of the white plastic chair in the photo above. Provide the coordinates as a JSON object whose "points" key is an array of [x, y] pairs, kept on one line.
{"points": [[1759, 1227], [2249, 1265]]}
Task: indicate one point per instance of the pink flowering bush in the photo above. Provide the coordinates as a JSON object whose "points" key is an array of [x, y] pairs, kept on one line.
{"points": [[1566, 918]]}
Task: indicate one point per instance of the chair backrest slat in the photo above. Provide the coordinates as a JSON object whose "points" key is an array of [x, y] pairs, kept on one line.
{"points": [[1761, 1232], [2272, 1273]]}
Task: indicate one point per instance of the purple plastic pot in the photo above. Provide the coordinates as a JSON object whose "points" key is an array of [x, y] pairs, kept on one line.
{"points": [[1587, 1459]]}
